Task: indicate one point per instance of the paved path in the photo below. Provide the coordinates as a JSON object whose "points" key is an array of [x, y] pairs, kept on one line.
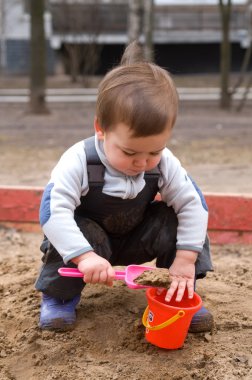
{"points": [[89, 95]]}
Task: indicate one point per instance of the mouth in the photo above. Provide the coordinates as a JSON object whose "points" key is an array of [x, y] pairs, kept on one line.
{"points": [[135, 172]]}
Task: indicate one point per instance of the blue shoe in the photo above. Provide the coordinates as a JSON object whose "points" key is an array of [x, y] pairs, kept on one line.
{"points": [[202, 321], [56, 314]]}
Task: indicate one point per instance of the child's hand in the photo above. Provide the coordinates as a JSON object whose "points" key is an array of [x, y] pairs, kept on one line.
{"points": [[182, 273], [95, 268]]}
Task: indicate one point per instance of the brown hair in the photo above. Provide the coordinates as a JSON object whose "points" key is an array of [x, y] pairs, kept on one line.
{"points": [[139, 94]]}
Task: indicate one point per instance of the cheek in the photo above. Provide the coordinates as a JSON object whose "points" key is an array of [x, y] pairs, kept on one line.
{"points": [[110, 151], [154, 161], [123, 160], [115, 157]]}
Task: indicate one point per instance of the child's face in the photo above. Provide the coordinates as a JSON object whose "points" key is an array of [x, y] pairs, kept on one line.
{"points": [[132, 155]]}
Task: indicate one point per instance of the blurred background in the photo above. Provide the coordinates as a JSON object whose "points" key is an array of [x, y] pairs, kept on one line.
{"points": [[53, 54], [83, 39]]}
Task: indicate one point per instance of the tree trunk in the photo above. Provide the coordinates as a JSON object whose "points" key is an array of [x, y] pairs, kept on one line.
{"points": [[245, 66], [74, 61], [225, 59], [148, 29], [245, 94], [134, 20], [38, 58], [2, 37]]}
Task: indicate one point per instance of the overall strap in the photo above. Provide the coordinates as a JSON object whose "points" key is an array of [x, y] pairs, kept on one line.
{"points": [[95, 168], [152, 174]]}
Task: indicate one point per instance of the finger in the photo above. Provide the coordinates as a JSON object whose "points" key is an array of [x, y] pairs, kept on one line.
{"points": [[95, 278], [103, 278], [110, 276], [171, 290], [181, 290], [87, 277], [190, 288], [111, 273]]}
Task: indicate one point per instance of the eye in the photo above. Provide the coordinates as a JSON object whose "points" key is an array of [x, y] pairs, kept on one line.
{"points": [[128, 154], [155, 153]]}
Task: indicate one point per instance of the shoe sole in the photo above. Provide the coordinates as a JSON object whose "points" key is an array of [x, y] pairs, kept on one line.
{"points": [[57, 324], [202, 326]]}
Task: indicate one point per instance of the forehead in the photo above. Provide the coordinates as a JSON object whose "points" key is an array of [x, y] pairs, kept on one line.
{"points": [[121, 136]]}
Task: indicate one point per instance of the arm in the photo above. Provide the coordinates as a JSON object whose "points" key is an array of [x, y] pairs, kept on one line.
{"points": [[179, 191], [61, 197]]}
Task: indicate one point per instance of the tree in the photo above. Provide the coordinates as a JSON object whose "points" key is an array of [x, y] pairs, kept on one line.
{"points": [[225, 60], [245, 64], [78, 19], [226, 91], [2, 36], [5, 7], [38, 58], [148, 29], [140, 21], [134, 20]]}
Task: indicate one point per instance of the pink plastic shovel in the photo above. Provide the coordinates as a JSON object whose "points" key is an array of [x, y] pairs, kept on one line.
{"points": [[128, 275]]}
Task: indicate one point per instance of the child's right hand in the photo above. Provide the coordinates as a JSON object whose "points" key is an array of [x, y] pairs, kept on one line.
{"points": [[95, 269]]}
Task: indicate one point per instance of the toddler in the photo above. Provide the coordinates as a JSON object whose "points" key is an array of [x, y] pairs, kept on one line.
{"points": [[99, 209]]}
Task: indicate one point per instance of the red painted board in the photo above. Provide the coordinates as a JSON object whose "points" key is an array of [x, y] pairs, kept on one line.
{"points": [[230, 215], [20, 204], [232, 212], [229, 212]]}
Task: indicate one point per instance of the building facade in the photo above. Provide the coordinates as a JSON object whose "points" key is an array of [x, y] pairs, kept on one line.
{"points": [[15, 38], [186, 34]]}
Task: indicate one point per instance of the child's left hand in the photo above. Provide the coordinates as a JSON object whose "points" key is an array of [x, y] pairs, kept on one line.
{"points": [[182, 273]]}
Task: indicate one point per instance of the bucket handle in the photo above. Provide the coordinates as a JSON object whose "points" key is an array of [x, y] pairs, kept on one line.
{"points": [[173, 319]]}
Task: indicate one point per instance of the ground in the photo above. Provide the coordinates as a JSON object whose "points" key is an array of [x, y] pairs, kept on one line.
{"points": [[108, 342], [213, 145]]}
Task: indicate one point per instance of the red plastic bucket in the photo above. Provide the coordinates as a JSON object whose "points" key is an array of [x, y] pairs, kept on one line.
{"points": [[167, 323]]}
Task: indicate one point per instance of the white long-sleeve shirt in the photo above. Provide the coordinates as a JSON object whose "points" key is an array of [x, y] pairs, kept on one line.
{"points": [[69, 182]]}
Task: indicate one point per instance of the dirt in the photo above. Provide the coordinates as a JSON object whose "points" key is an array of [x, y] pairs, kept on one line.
{"points": [[154, 277], [108, 342]]}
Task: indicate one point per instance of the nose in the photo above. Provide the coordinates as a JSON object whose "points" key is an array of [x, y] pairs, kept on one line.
{"points": [[140, 163]]}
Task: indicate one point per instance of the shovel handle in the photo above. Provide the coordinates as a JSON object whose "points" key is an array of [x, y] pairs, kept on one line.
{"points": [[70, 272], [74, 272], [120, 275]]}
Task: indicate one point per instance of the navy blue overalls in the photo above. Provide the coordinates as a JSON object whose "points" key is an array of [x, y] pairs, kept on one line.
{"points": [[123, 231]]}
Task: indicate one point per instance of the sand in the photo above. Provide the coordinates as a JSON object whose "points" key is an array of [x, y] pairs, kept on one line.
{"points": [[108, 341], [158, 277]]}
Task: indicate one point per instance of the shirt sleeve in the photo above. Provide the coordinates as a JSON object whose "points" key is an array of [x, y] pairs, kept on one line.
{"points": [[179, 191], [62, 195]]}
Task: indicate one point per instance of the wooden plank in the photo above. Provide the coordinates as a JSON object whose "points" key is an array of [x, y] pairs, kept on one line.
{"points": [[229, 212], [230, 215], [20, 204]]}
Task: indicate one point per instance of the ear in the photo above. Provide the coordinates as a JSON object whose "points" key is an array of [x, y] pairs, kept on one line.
{"points": [[98, 130]]}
